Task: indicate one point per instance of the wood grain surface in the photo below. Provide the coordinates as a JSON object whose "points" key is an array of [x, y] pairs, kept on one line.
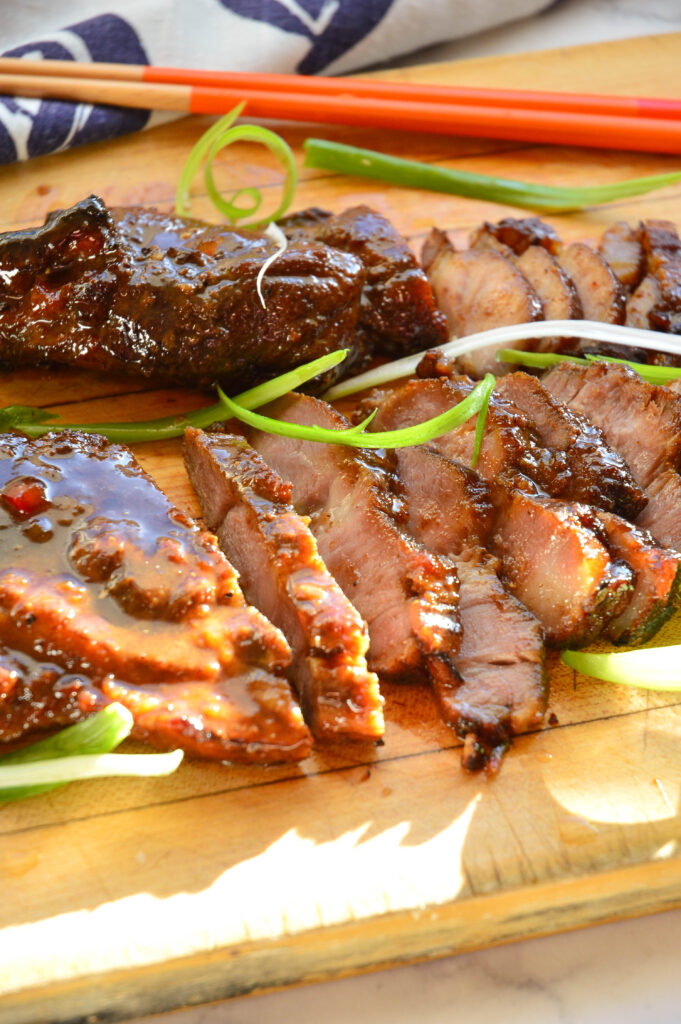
{"points": [[126, 897]]}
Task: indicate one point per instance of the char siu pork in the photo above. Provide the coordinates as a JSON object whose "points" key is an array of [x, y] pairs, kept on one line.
{"points": [[248, 507], [175, 300], [108, 592]]}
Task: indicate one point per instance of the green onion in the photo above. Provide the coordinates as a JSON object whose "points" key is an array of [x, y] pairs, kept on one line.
{"points": [[498, 337], [22, 780], [539, 360], [356, 437], [366, 163], [656, 668], [218, 136], [99, 734], [650, 372], [36, 422]]}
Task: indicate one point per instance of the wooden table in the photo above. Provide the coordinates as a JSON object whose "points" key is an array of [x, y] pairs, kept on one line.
{"points": [[128, 897]]}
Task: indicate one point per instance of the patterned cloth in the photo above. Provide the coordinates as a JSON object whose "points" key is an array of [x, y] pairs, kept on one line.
{"points": [[305, 36]]}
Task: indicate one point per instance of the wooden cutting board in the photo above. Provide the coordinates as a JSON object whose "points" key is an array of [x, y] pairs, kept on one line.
{"points": [[122, 898]]}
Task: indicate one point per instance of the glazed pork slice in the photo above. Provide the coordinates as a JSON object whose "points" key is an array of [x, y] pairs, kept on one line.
{"points": [[512, 452], [520, 233], [408, 597], [598, 475], [550, 283], [641, 421], [108, 592], [170, 298], [662, 249], [642, 302], [662, 515], [621, 248], [502, 690], [249, 508], [478, 289], [397, 312], [600, 291], [555, 565], [657, 581]]}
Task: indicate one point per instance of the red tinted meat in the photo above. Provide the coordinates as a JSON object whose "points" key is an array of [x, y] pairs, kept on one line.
{"points": [[600, 292], [501, 660], [397, 313], [248, 506], [657, 580], [598, 475], [622, 250], [641, 421], [113, 591], [478, 289], [662, 515], [408, 597], [554, 564], [503, 689]]}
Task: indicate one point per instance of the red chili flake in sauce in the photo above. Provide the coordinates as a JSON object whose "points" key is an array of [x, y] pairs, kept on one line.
{"points": [[25, 496]]}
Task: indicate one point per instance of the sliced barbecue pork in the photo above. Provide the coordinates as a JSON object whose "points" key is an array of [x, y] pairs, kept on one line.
{"points": [[503, 689], [397, 313], [478, 289], [600, 292], [554, 289], [657, 580], [521, 233], [501, 660], [662, 515], [621, 248], [554, 564], [662, 249], [248, 507], [408, 597], [641, 421], [642, 302], [598, 475], [108, 592], [174, 299]]}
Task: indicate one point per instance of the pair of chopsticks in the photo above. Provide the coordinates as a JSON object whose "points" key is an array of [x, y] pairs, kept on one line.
{"points": [[612, 122]]}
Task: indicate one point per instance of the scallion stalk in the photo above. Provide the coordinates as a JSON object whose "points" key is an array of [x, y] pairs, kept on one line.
{"points": [[366, 163], [357, 436], [36, 422], [498, 337], [656, 668]]}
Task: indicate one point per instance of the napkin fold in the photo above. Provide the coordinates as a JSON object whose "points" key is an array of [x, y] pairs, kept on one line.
{"points": [[304, 36]]}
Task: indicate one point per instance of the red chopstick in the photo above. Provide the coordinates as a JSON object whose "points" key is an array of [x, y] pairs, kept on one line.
{"points": [[406, 108], [247, 81]]}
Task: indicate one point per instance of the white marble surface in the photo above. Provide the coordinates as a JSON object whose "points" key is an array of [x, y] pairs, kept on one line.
{"points": [[621, 973]]}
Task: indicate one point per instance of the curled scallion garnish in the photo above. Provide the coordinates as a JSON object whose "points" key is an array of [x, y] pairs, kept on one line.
{"points": [[224, 133], [655, 668], [336, 156], [357, 436]]}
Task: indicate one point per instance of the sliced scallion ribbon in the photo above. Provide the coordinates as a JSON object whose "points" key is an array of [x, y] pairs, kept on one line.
{"points": [[224, 133], [36, 422], [648, 371], [366, 163], [498, 337], [656, 668], [357, 436]]}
